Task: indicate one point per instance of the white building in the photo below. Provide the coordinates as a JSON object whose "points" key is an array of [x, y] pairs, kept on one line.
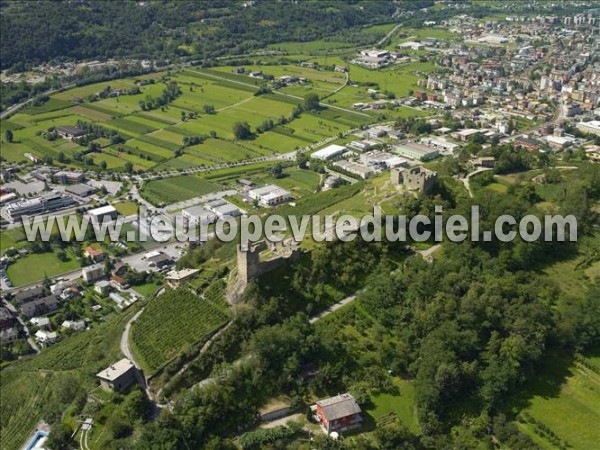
{"points": [[103, 212], [74, 325], [270, 195], [329, 153], [592, 127]]}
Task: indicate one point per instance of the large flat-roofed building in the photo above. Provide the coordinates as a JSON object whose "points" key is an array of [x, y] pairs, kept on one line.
{"points": [[353, 168], [41, 205], [67, 177], [103, 212], [80, 190], [196, 215], [329, 153], [592, 127], [118, 376], [270, 195], [223, 208], [419, 152]]}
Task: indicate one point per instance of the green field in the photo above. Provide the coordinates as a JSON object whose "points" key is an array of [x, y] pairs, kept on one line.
{"points": [[37, 266], [172, 322], [176, 189], [126, 208], [566, 399]]}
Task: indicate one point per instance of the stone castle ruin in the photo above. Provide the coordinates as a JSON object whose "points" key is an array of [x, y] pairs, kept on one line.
{"points": [[414, 179], [250, 264]]}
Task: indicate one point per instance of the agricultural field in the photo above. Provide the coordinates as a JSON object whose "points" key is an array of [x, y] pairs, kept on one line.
{"points": [[562, 407], [172, 322], [153, 136], [41, 387], [175, 189]]}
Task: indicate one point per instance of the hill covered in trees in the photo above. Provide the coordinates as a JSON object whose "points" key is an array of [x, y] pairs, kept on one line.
{"points": [[153, 29]]}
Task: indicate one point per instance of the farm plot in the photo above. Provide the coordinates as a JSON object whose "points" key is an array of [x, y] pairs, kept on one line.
{"points": [[218, 151], [175, 189], [155, 152], [566, 401], [90, 113], [171, 323]]}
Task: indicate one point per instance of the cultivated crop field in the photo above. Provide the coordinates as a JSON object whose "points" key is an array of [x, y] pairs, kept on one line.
{"points": [[172, 322], [153, 136], [176, 189]]}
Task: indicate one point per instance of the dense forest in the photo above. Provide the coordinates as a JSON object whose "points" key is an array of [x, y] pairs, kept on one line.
{"points": [[153, 29]]}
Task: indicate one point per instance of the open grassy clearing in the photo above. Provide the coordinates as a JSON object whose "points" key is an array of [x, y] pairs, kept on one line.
{"points": [[172, 322], [176, 189], [37, 266]]}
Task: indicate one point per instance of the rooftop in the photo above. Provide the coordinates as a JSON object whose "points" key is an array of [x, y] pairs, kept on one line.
{"points": [[116, 370], [342, 405]]}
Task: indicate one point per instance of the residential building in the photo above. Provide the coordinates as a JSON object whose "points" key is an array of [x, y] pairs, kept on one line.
{"points": [[92, 273], [102, 287], [28, 295], [119, 283], [338, 414], [9, 335], [46, 337], [74, 325], [176, 278], [41, 322], [118, 376], [94, 254], [158, 259], [39, 306], [7, 320]]}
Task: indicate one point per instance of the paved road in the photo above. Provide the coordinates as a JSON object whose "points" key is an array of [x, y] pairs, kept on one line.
{"points": [[125, 349], [467, 180]]}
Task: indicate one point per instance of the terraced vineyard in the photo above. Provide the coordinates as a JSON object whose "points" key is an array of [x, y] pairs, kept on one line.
{"points": [[40, 388], [172, 322]]}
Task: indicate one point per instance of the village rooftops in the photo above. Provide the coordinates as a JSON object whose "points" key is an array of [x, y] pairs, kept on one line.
{"points": [[116, 370], [342, 405]]}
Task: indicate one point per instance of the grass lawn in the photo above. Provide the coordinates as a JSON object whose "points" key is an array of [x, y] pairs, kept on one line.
{"points": [[126, 208], [401, 404], [14, 237], [36, 266]]}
